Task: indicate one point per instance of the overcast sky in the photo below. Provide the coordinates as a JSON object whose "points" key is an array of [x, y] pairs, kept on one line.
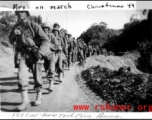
{"points": [[78, 21]]}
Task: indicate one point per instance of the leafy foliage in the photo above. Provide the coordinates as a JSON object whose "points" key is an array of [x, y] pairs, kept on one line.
{"points": [[99, 34], [7, 20], [119, 87]]}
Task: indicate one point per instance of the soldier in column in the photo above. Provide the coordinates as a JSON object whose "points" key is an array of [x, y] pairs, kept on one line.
{"points": [[70, 50], [89, 50], [59, 54], [106, 53], [33, 46], [80, 50], [75, 49], [68, 47], [64, 47], [49, 63], [84, 49], [98, 50]]}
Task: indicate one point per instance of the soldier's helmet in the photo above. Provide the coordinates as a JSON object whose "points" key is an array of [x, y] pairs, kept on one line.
{"points": [[45, 25], [69, 35], [27, 13], [56, 25], [55, 29], [65, 31]]}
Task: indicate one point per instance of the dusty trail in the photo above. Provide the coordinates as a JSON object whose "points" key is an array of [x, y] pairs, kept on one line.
{"points": [[72, 91], [66, 94]]}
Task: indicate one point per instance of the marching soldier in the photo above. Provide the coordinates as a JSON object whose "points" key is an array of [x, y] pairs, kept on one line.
{"points": [[94, 50], [49, 63], [33, 45], [80, 50], [65, 47], [68, 47], [105, 51], [75, 50], [70, 50], [56, 26], [89, 50], [98, 50], [73, 45], [59, 54], [102, 51], [84, 49]]}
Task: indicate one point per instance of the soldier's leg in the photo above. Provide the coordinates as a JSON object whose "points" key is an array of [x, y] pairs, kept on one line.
{"points": [[60, 62], [51, 72], [89, 53], [37, 74], [85, 54], [66, 62], [76, 54], [46, 65], [23, 79], [79, 55], [72, 58], [82, 55], [69, 60]]}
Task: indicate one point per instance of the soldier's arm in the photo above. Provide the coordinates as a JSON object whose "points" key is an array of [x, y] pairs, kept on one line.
{"points": [[44, 40], [53, 44], [54, 41]]}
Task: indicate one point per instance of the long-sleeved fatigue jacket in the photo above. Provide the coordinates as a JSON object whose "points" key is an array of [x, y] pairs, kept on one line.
{"points": [[38, 36], [60, 42], [54, 44]]}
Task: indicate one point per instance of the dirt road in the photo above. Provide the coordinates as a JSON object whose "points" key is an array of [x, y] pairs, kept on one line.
{"points": [[66, 94], [72, 91]]}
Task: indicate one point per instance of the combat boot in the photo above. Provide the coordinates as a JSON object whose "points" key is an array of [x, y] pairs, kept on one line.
{"points": [[51, 85], [60, 77], [38, 100], [25, 101]]}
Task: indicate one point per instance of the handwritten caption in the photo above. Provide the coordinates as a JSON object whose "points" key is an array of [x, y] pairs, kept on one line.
{"points": [[73, 6], [64, 115]]}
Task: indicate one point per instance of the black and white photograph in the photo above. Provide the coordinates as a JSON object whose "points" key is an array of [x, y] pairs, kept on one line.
{"points": [[76, 61]]}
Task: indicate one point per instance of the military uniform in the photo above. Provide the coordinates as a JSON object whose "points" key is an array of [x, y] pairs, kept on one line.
{"points": [[94, 50], [49, 63], [84, 49], [33, 45], [73, 45], [80, 50], [75, 50], [89, 50], [98, 50], [60, 57], [70, 50], [105, 52], [64, 48]]}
